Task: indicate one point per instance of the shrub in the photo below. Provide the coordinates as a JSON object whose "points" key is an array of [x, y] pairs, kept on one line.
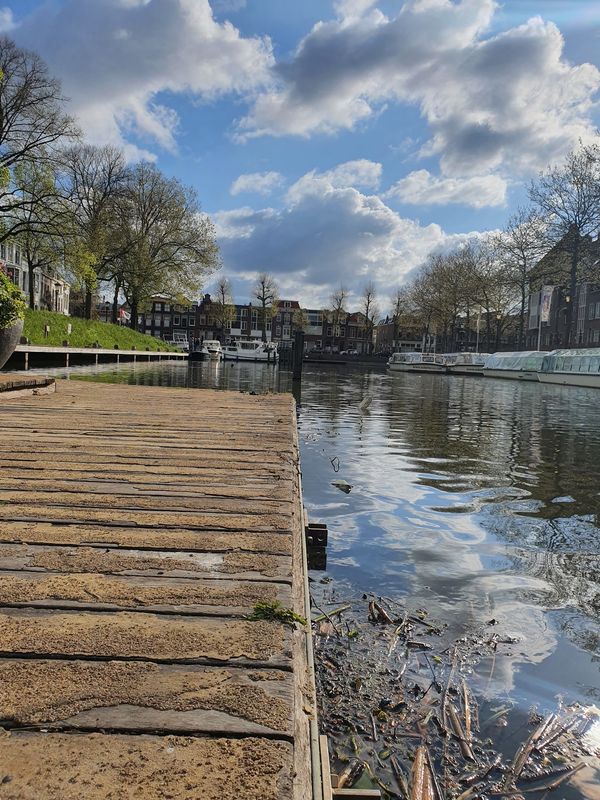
{"points": [[12, 306]]}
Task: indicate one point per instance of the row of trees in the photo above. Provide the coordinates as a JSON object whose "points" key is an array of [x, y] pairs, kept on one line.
{"points": [[82, 206], [487, 282]]}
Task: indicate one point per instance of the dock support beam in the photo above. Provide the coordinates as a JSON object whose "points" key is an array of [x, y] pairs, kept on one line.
{"points": [[298, 355]]}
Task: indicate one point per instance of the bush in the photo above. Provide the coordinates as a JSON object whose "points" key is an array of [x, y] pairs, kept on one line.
{"points": [[12, 306]]}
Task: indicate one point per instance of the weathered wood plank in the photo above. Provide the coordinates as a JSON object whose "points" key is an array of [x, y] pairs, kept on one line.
{"points": [[142, 696], [46, 766], [183, 564], [138, 537], [140, 635], [159, 595]]}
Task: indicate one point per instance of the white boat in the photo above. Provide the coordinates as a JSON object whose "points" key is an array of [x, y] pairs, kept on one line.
{"points": [[465, 363], [251, 351], [180, 340], [416, 362], [579, 367], [212, 350], [520, 366]]}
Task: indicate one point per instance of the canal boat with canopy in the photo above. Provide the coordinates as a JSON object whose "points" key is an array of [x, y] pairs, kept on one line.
{"points": [[572, 367], [416, 362], [465, 363], [521, 366]]}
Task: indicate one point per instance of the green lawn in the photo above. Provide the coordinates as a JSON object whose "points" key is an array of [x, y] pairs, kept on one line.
{"points": [[85, 333]]}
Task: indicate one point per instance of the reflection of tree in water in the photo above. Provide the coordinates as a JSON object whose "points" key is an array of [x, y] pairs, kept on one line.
{"points": [[484, 433]]}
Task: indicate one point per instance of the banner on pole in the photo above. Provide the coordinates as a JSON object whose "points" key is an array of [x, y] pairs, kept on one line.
{"points": [[545, 303]]}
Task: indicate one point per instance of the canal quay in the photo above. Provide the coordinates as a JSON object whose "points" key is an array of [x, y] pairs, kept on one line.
{"points": [[139, 529]]}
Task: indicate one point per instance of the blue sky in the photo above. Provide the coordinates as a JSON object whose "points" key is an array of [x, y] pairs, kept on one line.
{"points": [[331, 142]]}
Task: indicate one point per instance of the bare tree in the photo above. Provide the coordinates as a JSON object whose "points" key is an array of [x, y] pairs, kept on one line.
{"points": [[266, 292], [338, 311], [568, 197], [32, 124], [167, 245], [518, 248], [94, 179], [223, 309], [404, 315], [370, 310]]}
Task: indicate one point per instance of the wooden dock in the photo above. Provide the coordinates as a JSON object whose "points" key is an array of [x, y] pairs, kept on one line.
{"points": [[139, 527]]}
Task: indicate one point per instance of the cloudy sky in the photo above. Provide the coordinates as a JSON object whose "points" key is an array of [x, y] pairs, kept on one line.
{"points": [[332, 141]]}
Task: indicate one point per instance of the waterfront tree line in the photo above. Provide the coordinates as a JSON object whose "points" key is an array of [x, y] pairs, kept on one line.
{"points": [[485, 283], [84, 207]]}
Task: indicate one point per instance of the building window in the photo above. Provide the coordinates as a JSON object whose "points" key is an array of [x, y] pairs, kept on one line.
{"points": [[157, 320], [244, 312], [286, 332], [167, 307], [176, 321], [3, 251], [278, 330], [287, 304]]}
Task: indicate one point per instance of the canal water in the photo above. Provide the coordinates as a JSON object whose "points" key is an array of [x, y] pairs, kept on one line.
{"points": [[472, 498]]}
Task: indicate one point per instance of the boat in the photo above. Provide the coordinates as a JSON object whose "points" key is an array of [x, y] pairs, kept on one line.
{"points": [[578, 367], [465, 363], [212, 350], [252, 350], [416, 362], [522, 366]]}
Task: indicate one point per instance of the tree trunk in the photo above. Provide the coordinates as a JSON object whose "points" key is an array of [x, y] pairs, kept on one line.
{"points": [[522, 318], [572, 288], [87, 311], [115, 304], [134, 315], [264, 323], [30, 268]]}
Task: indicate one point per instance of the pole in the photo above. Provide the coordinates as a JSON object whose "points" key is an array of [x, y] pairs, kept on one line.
{"points": [[478, 326], [539, 347], [298, 354]]}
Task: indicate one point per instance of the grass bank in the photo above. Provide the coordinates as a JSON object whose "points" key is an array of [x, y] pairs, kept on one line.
{"points": [[85, 333]]}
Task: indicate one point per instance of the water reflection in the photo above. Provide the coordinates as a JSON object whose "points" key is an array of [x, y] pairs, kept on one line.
{"points": [[477, 499]]}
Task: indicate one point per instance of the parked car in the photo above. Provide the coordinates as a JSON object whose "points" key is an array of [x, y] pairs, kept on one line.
{"points": [[349, 353]]}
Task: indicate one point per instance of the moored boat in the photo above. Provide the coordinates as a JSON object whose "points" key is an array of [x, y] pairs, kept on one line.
{"points": [[212, 350], [465, 363], [579, 367], [251, 351], [416, 362], [521, 366]]}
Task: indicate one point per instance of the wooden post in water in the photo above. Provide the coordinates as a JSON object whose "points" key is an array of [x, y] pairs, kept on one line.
{"points": [[298, 355]]}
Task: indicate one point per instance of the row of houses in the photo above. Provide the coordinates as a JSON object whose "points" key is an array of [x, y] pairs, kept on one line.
{"points": [[323, 330], [50, 291]]}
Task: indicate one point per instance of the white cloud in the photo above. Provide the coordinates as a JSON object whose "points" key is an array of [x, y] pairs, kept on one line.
{"points": [[325, 234], [352, 8], [115, 57], [423, 188], [509, 99], [350, 174], [7, 22], [257, 183]]}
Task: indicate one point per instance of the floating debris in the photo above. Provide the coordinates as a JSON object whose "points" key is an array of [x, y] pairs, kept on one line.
{"points": [[395, 702], [343, 486]]}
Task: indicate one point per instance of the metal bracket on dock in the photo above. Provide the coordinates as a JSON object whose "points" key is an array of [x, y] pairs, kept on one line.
{"points": [[316, 534]]}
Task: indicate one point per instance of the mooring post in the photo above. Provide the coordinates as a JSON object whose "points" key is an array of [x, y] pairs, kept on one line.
{"points": [[298, 355]]}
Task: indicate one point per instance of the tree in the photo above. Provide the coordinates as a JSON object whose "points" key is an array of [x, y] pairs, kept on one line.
{"points": [[32, 125], [94, 180], [568, 197], [223, 309], [266, 292], [404, 315], [44, 216], [370, 310], [518, 248], [166, 245]]}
